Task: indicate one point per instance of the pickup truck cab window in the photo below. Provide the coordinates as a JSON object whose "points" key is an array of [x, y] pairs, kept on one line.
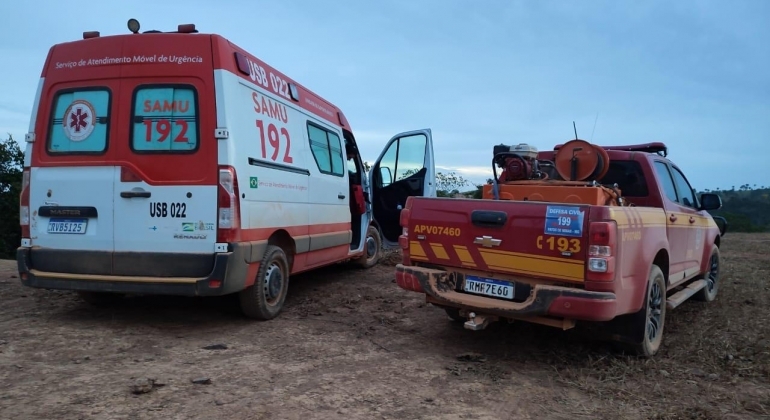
{"points": [[665, 180], [687, 198], [629, 176]]}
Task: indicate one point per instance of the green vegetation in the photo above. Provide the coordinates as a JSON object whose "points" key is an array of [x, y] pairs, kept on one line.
{"points": [[746, 209], [11, 163]]}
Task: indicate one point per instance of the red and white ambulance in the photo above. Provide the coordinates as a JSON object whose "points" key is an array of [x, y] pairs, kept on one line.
{"points": [[178, 163]]}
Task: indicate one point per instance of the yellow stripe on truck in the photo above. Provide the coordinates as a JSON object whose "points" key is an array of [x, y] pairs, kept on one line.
{"points": [[440, 251], [534, 264], [416, 250], [465, 256]]}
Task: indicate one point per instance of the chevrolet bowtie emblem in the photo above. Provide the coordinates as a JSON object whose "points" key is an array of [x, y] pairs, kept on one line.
{"points": [[487, 241]]}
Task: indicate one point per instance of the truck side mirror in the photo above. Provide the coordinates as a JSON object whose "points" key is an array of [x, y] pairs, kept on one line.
{"points": [[710, 201]]}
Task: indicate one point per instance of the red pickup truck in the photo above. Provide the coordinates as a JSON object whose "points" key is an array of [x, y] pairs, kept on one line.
{"points": [[613, 236]]}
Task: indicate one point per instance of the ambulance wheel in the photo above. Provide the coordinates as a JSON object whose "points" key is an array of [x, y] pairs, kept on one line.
{"points": [[646, 326], [372, 249], [709, 293], [264, 299], [99, 298]]}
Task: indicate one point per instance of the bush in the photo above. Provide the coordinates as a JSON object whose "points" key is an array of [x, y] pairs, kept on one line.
{"points": [[11, 164]]}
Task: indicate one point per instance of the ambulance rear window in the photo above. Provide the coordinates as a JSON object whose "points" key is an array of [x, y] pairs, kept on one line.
{"points": [[165, 119], [79, 121]]}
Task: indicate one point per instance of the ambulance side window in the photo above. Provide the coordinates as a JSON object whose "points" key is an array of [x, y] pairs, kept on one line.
{"points": [[327, 150], [165, 119], [79, 121]]}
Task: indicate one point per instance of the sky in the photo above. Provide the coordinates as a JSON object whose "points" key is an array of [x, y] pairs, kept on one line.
{"points": [[692, 74]]}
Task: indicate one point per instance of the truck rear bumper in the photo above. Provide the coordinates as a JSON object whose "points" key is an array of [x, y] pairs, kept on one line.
{"points": [[545, 300], [210, 274]]}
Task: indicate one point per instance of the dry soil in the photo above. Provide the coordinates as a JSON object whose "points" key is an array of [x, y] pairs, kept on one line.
{"points": [[351, 344]]}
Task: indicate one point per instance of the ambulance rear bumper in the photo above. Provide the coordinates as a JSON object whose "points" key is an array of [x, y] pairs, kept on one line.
{"points": [[206, 274]]}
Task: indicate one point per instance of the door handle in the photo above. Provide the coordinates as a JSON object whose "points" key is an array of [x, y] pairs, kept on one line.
{"points": [[341, 196], [672, 218], [692, 219], [135, 194]]}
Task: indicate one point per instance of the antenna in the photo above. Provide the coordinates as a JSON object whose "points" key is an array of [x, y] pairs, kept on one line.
{"points": [[575, 127], [592, 131]]}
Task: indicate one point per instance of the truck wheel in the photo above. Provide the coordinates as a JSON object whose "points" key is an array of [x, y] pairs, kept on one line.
{"points": [[264, 299], [99, 298], [646, 326], [372, 249], [709, 293]]}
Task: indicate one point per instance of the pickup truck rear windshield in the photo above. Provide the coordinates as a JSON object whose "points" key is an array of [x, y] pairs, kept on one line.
{"points": [[165, 119], [629, 177], [79, 121]]}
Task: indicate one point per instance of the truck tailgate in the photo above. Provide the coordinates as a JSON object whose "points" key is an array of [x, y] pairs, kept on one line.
{"points": [[531, 239]]}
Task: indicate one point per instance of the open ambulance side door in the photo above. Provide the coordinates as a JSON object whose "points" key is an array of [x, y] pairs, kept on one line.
{"points": [[404, 168]]}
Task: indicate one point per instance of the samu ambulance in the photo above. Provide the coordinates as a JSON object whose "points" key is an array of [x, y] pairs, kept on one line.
{"points": [[178, 163]]}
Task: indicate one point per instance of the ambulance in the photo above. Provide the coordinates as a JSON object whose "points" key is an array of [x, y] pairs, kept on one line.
{"points": [[178, 163]]}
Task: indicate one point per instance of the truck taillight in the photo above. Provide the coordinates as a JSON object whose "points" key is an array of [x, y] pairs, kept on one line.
{"points": [[24, 204], [404, 220], [601, 251], [227, 205], [403, 240]]}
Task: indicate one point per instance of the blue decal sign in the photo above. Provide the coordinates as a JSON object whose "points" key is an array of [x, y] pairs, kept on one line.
{"points": [[564, 220]]}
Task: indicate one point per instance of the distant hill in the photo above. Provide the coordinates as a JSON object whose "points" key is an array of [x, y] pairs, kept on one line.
{"points": [[747, 209]]}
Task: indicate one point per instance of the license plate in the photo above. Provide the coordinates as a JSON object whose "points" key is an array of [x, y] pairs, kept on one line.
{"points": [[67, 226], [488, 287]]}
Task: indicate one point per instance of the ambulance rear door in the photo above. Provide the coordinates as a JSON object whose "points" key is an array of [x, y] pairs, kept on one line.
{"points": [[166, 190]]}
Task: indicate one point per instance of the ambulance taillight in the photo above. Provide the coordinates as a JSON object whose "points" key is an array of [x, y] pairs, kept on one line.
{"points": [[24, 204], [227, 205]]}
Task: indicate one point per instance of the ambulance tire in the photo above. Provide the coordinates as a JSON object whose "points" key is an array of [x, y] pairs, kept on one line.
{"points": [[372, 249], [264, 299]]}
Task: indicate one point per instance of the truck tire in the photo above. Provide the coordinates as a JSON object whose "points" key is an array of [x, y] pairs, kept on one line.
{"points": [[264, 299], [709, 293], [372, 249], [645, 328]]}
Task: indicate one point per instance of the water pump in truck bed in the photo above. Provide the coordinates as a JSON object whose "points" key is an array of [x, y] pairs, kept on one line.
{"points": [[519, 163], [570, 176]]}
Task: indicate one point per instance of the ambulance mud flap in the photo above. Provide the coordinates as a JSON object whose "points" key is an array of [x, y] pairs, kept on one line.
{"points": [[212, 274], [442, 288]]}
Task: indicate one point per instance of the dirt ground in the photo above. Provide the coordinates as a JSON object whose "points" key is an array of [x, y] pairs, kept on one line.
{"points": [[351, 344]]}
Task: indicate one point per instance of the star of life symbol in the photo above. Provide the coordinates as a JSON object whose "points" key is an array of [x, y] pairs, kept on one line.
{"points": [[79, 120]]}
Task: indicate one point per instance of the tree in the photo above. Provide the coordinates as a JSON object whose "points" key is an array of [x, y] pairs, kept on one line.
{"points": [[448, 184], [11, 164]]}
